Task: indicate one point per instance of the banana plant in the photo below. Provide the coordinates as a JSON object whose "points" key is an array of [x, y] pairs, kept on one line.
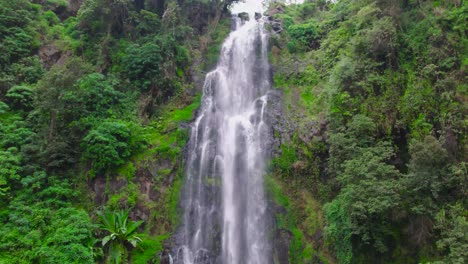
{"points": [[122, 231]]}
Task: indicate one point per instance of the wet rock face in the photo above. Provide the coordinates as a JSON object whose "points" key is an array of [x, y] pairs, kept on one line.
{"points": [[165, 256], [100, 188], [49, 55], [258, 16], [276, 10], [282, 241], [145, 177], [276, 24], [74, 6], [280, 238], [283, 128], [244, 16]]}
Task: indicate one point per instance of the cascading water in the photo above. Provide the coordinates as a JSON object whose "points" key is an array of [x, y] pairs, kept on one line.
{"points": [[224, 204]]}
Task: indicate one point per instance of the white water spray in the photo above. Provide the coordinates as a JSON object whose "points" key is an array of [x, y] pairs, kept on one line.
{"points": [[224, 201]]}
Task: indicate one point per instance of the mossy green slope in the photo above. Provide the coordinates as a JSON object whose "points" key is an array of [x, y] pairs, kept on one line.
{"points": [[367, 84]]}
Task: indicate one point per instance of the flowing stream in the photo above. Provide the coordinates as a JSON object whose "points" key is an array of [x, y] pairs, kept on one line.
{"points": [[224, 204]]}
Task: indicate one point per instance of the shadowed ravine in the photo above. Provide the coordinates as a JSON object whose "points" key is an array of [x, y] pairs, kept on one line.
{"points": [[224, 205]]}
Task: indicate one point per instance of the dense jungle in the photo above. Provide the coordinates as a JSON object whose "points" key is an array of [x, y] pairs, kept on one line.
{"points": [[367, 161]]}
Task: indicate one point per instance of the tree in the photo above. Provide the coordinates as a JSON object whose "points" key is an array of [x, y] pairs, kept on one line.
{"points": [[369, 193], [153, 66], [104, 16], [13, 136], [18, 40], [107, 145], [453, 226], [110, 144], [20, 97], [305, 34], [40, 224], [122, 231], [93, 95], [427, 176], [52, 88]]}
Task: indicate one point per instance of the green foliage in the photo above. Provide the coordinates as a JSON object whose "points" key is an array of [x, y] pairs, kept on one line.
{"points": [[27, 70], [369, 191], [19, 41], [3, 108], [453, 225], [104, 16], [126, 196], [120, 231], [51, 237], [94, 96], [153, 65], [110, 144], [128, 170], [57, 82], [72, 111], [300, 217], [143, 64], [13, 136], [347, 144], [20, 97], [217, 36], [284, 163], [41, 226], [56, 3], [148, 249], [428, 174], [391, 73], [339, 229], [306, 35], [10, 163], [185, 114], [147, 23]]}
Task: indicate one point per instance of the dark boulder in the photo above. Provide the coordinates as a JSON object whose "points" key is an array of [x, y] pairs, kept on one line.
{"points": [[277, 10], [258, 16], [244, 16]]}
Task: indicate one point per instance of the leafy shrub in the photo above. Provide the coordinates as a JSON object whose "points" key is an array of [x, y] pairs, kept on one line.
{"points": [[428, 174], [153, 65], [18, 39], [147, 23], [110, 144], [121, 231], [94, 95], [40, 226], [306, 35], [51, 17], [453, 225], [27, 70], [20, 97], [3, 108]]}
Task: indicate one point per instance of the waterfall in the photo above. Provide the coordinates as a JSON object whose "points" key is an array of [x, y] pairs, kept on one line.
{"points": [[224, 204]]}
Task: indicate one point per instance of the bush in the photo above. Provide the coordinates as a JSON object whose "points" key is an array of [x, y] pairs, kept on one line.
{"points": [[41, 226], [153, 66], [110, 144], [453, 227], [20, 97], [306, 35], [94, 95]]}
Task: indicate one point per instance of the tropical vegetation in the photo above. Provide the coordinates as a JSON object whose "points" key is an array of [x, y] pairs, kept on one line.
{"points": [[96, 97]]}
